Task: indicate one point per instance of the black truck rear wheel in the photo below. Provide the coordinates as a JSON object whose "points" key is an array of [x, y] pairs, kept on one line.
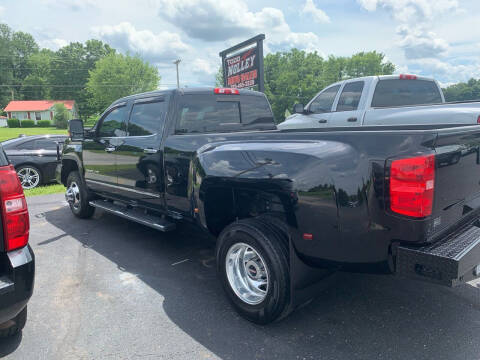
{"points": [[77, 196], [252, 262]]}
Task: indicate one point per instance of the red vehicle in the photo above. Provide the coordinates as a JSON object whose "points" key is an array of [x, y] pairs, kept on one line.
{"points": [[17, 261]]}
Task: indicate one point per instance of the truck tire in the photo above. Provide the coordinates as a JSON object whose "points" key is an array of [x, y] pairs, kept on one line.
{"points": [[77, 196], [15, 325], [253, 266]]}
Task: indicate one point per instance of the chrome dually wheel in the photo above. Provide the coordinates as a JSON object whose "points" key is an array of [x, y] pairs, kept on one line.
{"points": [[72, 195], [29, 177], [77, 196], [247, 273]]}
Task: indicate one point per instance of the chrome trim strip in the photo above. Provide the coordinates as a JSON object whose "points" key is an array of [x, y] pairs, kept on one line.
{"points": [[124, 188]]}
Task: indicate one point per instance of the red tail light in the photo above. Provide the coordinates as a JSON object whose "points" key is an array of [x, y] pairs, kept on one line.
{"points": [[478, 119], [412, 182], [408, 77], [226, 91], [16, 224]]}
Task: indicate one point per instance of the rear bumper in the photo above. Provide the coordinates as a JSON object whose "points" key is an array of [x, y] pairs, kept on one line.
{"points": [[450, 261], [16, 281]]}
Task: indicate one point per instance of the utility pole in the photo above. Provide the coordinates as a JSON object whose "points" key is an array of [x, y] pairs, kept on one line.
{"points": [[176, 62], [13, 94]]}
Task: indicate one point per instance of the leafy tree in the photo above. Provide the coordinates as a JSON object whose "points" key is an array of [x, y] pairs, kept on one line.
{"points": [[23, 46], [368, 63], [61, 116], [35, 85], [6, 64], [70, 71], [219, 77], [118, 75], [463, 91]]}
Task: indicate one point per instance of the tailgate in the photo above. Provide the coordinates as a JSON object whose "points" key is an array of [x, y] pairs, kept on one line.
{"points": [[457, 178], [452, 252]]}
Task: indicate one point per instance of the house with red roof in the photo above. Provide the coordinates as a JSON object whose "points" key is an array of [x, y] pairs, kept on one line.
{"points": [[38, 109], [3, 121]]}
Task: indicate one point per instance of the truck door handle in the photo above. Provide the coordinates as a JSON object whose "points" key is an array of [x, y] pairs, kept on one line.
{"points": [[150, 151], [322, 121], [110, 149], [352, 119]]}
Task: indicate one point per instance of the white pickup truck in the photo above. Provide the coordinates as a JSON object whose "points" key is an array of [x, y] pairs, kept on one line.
{"points": [[381, 100]]}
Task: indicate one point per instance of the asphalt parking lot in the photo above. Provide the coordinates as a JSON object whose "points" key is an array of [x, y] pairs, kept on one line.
{"points": [[107, 288]]}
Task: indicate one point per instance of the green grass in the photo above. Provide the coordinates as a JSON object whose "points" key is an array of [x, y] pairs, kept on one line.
{"points": [[45, 190], [9, 133]]}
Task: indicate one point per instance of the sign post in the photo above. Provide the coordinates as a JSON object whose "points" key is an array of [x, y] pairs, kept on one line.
{"points": [[243, 64]]}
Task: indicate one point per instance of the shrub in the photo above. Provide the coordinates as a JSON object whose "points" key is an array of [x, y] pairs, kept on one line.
{"points": [[61, 123], [13, 123], [27, 123], [44, 123], [61, 116]]}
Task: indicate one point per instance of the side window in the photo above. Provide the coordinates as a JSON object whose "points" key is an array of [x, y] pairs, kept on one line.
{"points": [[27, 145], [146, 118], [45, 144], [324, 102], [350, 96], [203, 113], [256, 111], [112, 124]]}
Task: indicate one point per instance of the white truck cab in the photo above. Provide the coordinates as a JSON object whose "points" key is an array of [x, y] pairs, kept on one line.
{"points": [[381, 100]]}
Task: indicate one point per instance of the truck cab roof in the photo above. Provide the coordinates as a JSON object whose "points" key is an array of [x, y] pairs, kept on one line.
{"points": [[184, 91], [383, 77]]}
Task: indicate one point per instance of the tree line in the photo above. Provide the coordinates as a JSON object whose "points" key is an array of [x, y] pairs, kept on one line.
{"points": [[91, 73], [463, 91], [94, 74]]}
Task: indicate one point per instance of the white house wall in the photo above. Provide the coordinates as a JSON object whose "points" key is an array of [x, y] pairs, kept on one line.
{"points": [[45, 115]]}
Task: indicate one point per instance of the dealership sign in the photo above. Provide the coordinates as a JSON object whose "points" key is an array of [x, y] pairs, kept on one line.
{"points": [[242, 69], [243, 64]]}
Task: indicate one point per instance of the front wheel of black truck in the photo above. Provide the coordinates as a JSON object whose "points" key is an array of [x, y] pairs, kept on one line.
{"points": [[252, 262], [77, 196]]}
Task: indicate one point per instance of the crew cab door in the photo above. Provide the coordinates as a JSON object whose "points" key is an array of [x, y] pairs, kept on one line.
{"points": [[320, 108], [139, 157], [99, 149], [348, 110]]}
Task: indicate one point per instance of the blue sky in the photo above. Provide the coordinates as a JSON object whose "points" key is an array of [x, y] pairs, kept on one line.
{"points": [[438, 38]]}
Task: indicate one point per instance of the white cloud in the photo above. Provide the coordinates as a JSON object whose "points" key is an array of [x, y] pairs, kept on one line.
{"points": [[212, 20], [317, 14], [154, 47], [412, 10], [419, 43], [449, 73], [416, 17], [2, 10], [74, 5], [204, 66], [53, 44]]}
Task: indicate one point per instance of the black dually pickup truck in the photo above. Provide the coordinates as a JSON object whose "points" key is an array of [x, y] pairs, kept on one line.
{"points": [[289, 207]]}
